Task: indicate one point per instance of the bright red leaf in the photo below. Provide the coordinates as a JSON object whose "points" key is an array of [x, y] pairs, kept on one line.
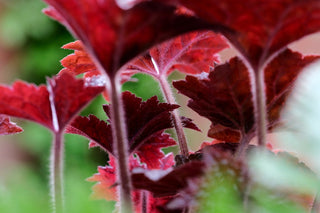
{"points": [[106, 178], [150, 152], [191, 53], [107, 185], [225, 97], [7, 127], [259, 28], [70, 95], [79, 62], [113, 36], [26, 101], [52, 106]]}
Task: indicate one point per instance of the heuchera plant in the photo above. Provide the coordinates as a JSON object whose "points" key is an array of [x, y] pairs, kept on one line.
{"points": [[242, 97]]}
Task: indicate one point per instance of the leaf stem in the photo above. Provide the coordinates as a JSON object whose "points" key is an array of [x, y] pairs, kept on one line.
{"points": [[259, 104], [243, 145], [167, 91], [56, 174], [120, 145]]}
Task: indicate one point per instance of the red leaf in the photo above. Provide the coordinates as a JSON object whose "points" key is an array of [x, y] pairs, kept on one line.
{"points": [[53, 107], [223, 133], [107, 186], [144, 119], [190, 53], [260, 28], [106, 178], [70, 95], [7, 127], [26, 101], [94, 129], [150, 152], [225, 97], [79, 62], [113, 36], [146, 122]]}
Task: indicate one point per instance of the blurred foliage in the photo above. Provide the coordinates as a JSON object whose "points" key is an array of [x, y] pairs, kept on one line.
{"points": [[27, 192], [218, 194], [300, 134], [143, 86], [35, 38]]}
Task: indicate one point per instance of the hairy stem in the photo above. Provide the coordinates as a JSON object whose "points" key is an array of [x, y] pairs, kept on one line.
{"points": [[166, 89], [243, 145], [259, 104], [57, 173], [120, 145]]}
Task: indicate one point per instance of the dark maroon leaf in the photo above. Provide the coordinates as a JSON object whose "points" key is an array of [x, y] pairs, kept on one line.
{"points": [[260, 27], [93, 128], [113, 36], [7, 127], [225, 97], [145, 118], [191, 53], [165, 183], [146, 122]]}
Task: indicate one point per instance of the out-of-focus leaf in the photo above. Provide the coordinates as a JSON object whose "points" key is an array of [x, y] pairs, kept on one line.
{"points": [[259, 28], [192, 53], [112, 35], [302, 119], [282, 173], [7, 127]]}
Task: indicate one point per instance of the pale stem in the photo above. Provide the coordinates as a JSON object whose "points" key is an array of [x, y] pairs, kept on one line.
{"points": [[120, 145], [166, 89], [259, 104], [56, 174], [243, 145]]}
